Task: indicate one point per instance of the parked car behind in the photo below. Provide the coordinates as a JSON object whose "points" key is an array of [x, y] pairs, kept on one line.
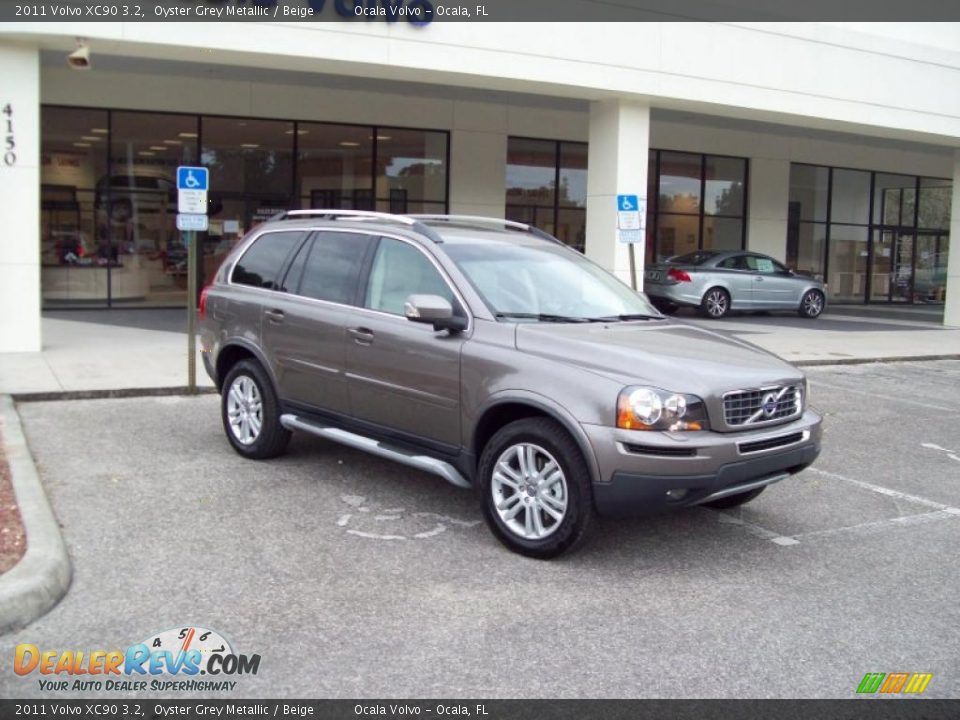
{"points": [[493, 355], [719, 281]]}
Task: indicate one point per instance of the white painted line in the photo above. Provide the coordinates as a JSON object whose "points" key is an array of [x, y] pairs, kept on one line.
{"points": [[381, 518], [896, 494], [919, 519], [447, 519], [430, 533], [344, 519], [755, 530], [952, 454], [374, 536], [891, 398]]}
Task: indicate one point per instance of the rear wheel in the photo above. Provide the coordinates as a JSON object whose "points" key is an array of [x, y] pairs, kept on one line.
{"points": [[535, 488], [732, 501], [811, 304], [715, 303], [251, 412]]}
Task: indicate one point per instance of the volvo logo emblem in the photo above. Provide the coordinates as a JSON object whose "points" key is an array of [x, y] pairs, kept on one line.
{"points": [[769, 404]]}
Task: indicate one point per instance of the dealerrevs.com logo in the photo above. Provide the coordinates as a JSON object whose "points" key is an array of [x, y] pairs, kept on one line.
{"points": [[170, 661]]}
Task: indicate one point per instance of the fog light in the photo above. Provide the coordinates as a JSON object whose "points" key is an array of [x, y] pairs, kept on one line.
{"points": [[679, 494]]}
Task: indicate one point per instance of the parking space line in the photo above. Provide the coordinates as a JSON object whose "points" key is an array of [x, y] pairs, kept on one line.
{"points": [[755, 530], [901, 521], [896, 494], [927, 406], [939, 511]]}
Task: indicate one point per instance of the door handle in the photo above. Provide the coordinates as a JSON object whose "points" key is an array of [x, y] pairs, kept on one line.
{"points": [[759, 279], [274, 315], [361, 335]]}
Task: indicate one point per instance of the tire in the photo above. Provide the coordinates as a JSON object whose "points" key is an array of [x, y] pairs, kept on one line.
{"points": [[665, 306], [248, 396], [732, 501], [715, 303], [540, 533], [811, 304]]}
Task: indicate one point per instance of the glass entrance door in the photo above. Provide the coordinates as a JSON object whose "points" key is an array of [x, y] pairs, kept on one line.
{"points": [[891, 265], [930, 280]]}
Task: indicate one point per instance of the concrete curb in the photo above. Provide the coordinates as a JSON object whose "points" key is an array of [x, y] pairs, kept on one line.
{"points": [[109, 394], [36, 583], [866, 361]]}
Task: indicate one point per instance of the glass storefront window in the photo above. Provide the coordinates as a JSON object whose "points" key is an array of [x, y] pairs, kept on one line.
{"points": [[246, 155], [850, 202], [75, 251], [677, 234], [725, 180], [573, 175], [809, 185], [899, 254], [894, 200], [811, 247], [535, 169], [848, 263], [411, 167], [335, 166], [934, 205], [140, 198], [721, 233], [680, 175], [531, 172]]}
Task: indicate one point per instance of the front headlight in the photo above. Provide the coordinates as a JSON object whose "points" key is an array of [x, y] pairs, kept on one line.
{"points": [[647, 408]]}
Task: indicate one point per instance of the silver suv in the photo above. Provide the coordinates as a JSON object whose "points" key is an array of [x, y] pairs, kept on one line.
{"points": [[490, 354]]}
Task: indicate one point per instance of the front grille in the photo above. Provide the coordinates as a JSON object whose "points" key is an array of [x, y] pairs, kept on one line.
{"points": [[764, 405]]}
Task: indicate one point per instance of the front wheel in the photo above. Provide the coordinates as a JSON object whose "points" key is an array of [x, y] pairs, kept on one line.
{"points": [[535, 488], [251, 412], [811, 304], [715, 303]]}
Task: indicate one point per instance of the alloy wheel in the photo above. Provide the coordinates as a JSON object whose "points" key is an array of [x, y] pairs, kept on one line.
{"points": [[716, 303], [529, 491], [244, 410], [812, 304]]}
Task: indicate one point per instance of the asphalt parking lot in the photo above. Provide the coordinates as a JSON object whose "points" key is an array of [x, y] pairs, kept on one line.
{"points": [[354, 577]]}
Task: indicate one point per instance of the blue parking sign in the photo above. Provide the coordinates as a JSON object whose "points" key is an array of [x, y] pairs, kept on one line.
{"points": [[628, 203], [192, 178]]}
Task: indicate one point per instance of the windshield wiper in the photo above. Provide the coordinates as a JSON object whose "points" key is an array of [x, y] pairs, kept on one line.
{"points": [[544, 317], [626, 317]]}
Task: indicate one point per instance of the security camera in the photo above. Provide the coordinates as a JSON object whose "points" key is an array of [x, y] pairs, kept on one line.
{"points": [[79, 59]]}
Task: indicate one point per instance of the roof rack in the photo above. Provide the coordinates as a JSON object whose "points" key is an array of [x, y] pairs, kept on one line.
{"points": [[481, 220], [407, 220]]}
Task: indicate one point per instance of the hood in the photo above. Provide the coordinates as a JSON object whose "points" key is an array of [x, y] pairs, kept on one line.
{"points": [[666, 354]]}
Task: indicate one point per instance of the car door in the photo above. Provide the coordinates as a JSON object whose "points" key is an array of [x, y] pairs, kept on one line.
{"points": [[304, 324], [738, 278], [774, 286], [404, 376]]}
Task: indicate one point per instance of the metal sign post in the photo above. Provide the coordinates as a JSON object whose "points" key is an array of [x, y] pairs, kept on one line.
{"points": [[189, 237], [192, 186], [631, 226]]}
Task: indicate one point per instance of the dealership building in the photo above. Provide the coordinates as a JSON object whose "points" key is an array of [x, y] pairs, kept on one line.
{"points": [[833, 147]]}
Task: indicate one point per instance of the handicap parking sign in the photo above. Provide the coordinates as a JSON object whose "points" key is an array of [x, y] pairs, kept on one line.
{"points": [[627, 203], [192, 178]]}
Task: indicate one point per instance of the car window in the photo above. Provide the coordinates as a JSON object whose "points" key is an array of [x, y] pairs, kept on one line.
{"points": [[733, 263], [261, 264], [764, 265], [400, 270], [331, 268], [695, 258]]}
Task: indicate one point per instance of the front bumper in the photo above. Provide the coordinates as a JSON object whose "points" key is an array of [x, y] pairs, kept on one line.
{"points": [[648, 472]]}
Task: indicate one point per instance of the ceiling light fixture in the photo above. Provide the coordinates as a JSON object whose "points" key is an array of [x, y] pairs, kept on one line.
{"points": [[80, 144], [187, 135], [349, 144]]}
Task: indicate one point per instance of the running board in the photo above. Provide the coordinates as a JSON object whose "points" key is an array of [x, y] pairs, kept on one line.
{"points": [[745, 487], [421, 462]]}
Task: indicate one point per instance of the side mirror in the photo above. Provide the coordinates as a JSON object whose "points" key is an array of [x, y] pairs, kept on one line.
{"points": [[433, 310]]}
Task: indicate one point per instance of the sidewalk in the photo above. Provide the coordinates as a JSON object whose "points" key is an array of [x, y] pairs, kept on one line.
{"points": [[118, 350]]}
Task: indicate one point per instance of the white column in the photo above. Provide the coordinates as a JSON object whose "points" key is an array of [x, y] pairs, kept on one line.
{"points": [[767, 206], [478, 160], [617, 164], [951, 314], [20, 198]]}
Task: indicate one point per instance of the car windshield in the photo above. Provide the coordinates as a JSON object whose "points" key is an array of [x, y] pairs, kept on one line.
{"points": [[546, 283]]}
